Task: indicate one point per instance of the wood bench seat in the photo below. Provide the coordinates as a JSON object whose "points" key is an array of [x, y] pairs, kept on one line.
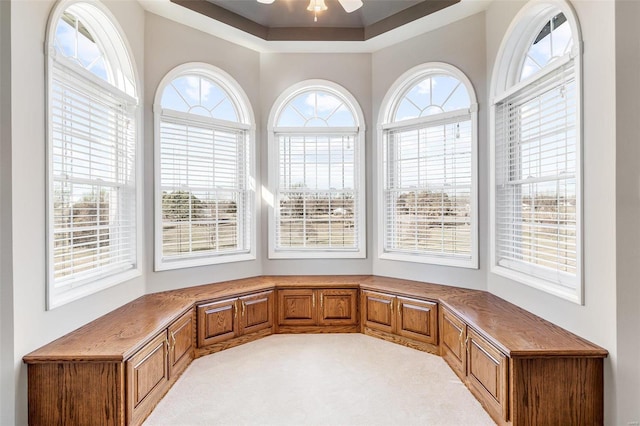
{"points": [[503, 353]]}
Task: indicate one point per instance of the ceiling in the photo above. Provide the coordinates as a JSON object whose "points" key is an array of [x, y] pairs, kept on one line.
{"points": [[289, 20], [377, 25]]}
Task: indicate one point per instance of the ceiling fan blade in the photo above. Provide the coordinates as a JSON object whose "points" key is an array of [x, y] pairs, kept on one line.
{"points": [[350, 5]]}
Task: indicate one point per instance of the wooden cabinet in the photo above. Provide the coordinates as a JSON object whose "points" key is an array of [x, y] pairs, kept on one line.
{"points": [[453, 334], [297, 307], [147, 378], [224, 320], [256, 312], [338, 307], [487, 378], [113, 371], [181, 344], [482, 366], [150, 371], [217, 321], [318, 309], [404, 320]]}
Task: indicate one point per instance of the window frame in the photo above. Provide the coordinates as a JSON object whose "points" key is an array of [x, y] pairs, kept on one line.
{"points": [[273, 169], [106, 28], [385, 122], [519, 37], [246, 122]]}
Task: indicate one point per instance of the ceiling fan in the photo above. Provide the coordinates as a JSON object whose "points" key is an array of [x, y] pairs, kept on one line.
{"points": [[316, 6]]}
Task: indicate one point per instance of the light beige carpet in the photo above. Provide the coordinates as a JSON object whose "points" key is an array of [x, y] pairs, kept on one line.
{"points": [[316, 379]]}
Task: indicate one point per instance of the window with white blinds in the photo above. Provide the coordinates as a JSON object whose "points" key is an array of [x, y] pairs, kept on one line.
{"points": [[204, 196], [537, 167], [92, 156], [317, 195], [428, 201], [317, 176]]}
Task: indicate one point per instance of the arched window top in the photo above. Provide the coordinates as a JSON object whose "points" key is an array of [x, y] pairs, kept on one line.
{"points": [[75, 41], [554, 40], [316, 105], [84, 35], [426, 91], [204, 90], [544, 35], [431, 93], [198, 94]]}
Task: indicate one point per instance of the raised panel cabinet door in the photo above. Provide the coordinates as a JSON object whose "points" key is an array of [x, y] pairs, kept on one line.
{"points": [[418, 320], [217, 322], [147, 378], [181, 344], [453, 332], [338, 307], [256, 312], [297, 307], [487, 370], [377, 311]]}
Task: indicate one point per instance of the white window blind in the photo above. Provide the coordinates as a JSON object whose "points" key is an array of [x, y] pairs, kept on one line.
{"points": [[93, 177], [536, 181], [206, 203], [318, 200], [427, 189]]}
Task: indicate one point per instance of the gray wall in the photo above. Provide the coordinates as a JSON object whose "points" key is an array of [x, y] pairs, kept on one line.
{"points": [[627, 209], [7, 395], [167, 45], [460, 44]]}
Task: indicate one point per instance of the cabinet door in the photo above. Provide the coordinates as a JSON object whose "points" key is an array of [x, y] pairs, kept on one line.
{"points": [[418, 320], [453, 333], [181, 342], [378, 311], [217, 322], [338, 307], [487, 375], [147, 378], [256, 312], [297, 307]]}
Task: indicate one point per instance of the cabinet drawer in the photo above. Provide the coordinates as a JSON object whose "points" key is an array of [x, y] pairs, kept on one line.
{"points": [[418, 320], [147, 378], [217, 321], [453, 333], [487, 370]]}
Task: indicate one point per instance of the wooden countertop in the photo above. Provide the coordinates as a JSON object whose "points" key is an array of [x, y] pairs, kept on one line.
{"points": [[518, 333], [120, 333]]}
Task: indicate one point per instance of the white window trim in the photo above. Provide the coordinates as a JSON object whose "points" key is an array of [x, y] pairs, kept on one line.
{"points": [[515, 44], [73, 291], [246, 122], [385, 119], [273, 170]]}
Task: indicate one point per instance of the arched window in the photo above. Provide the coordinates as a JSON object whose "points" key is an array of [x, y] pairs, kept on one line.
{"points": [[92, 150], [536, 151], [204, 203], [316, 175], [428, 168]]}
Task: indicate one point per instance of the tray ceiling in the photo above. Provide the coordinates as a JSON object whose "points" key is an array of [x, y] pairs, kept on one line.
{"points": [[289, 20]]}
